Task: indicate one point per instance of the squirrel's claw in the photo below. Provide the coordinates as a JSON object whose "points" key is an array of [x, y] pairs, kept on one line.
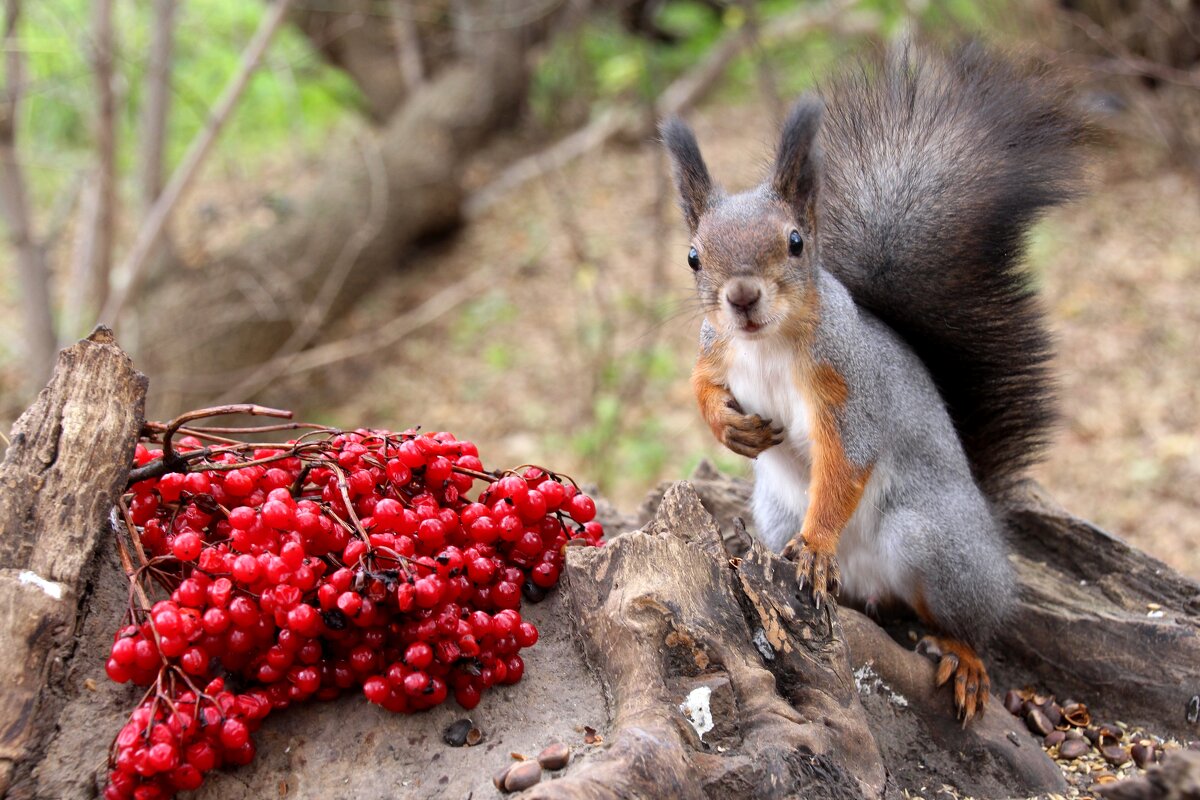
{"points": [[959, 660], [820, 570]]}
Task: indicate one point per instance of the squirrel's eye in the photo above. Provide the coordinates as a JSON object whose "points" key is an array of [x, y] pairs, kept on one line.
{"points": [[795, 243], [694, 259]]}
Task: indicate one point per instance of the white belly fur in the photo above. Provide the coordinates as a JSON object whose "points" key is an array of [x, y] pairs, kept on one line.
{"points": [[762, 377]]}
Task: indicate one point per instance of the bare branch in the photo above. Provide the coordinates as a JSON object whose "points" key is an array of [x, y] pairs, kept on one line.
{"points": [[315, 314], [390, 334], [33, 274], [157, 107], [104, 223], [151, 231], [408, 45]]}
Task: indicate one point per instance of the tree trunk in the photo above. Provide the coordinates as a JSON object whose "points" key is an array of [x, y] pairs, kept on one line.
{"points": [[260, 303], [156, 110], [33, 274]]}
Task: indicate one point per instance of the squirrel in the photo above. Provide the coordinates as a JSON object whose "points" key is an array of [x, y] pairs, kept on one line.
{"points": [[871, 338]]}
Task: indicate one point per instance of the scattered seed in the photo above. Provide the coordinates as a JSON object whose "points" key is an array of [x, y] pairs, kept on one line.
{"points": [[1144, 753], [555, 756], [1053, 738], [456, 732], [521, 776], [498, 778], [1114, 754], [474, 737], [590, 736], [1073, 748], [1037, 722], [1013, 702], [1077, 714]]}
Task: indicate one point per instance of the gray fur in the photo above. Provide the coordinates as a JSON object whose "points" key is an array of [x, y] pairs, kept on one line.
{"points": [[943, 536]]}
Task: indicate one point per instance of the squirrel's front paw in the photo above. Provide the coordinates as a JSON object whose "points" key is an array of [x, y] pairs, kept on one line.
{"points": [[748, 434], [816, 568]]}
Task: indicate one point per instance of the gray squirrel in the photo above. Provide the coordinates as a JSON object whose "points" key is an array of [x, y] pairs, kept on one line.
{"points": [[871, 338]]}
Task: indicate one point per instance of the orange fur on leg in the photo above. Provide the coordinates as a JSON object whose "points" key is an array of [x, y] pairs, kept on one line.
{"points": [[835, 487]]}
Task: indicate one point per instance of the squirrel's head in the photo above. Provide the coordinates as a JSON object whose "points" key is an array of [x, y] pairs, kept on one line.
{"points": [[753, 254]]}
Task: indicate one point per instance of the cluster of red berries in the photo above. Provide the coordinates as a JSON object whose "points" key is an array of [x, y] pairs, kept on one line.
{"points": [[306, 570]]}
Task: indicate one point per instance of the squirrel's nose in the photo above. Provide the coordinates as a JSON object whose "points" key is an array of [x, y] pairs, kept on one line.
{"points": [[742, 294]]}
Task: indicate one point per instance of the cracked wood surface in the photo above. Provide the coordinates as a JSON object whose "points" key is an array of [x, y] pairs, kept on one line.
{"points": [[68, 461]]}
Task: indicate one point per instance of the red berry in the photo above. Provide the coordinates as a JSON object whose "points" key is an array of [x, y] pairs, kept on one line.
{"points": [[246, 569], [581, 508], [376, 689], [526, 634], [187, 546], [234, 734], [419, 656]]}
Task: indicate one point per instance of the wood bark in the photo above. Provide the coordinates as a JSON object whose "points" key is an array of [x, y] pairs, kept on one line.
{"points": [[662, 615], [68, 461]]}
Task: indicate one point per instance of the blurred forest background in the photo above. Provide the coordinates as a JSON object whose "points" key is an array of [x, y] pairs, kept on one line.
{"points": [[453, 214]]}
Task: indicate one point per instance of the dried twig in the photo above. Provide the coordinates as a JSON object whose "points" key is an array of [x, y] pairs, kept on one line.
{"points": [[103, 222], [1126, 62], [408, 45], [152, 229], [394, 331]]}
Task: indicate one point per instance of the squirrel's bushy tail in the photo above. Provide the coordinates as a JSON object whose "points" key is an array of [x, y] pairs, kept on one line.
{"points": [[935, 167]]}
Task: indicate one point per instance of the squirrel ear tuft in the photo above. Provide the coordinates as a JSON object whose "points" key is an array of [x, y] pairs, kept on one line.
{"points": [[797, 163], [691, 175]]}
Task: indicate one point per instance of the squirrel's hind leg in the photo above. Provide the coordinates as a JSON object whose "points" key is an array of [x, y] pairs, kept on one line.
{"points": [[961, 586]]}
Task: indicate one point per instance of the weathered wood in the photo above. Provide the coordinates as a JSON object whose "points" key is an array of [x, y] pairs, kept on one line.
{"points": [[922, 741], [662, 615], [1101, 622], [68, 461]]}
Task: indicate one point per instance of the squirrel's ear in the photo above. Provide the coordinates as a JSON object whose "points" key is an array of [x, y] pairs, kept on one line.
{"points": [[691, 175], [797, 164]]}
